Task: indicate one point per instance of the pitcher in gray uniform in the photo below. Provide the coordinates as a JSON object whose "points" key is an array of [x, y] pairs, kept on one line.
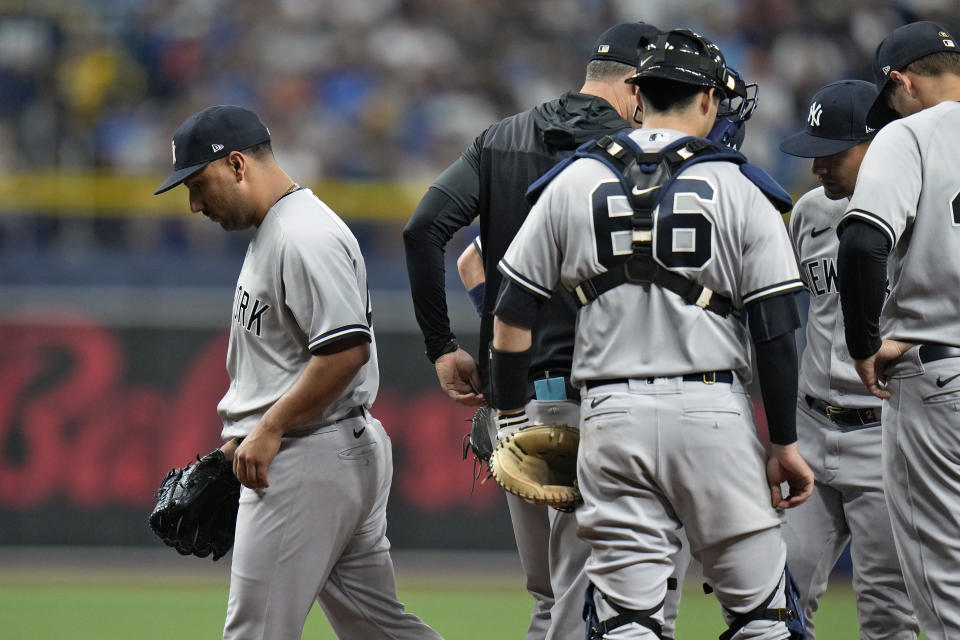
{"points": [[838, 421], [315, 465], [903, 226], [667, 431]]}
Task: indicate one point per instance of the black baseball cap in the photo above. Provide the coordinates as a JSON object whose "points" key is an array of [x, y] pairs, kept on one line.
{"points": [[209, 135], [683, 56], [619, 43], [836, 121], [906, 44]]}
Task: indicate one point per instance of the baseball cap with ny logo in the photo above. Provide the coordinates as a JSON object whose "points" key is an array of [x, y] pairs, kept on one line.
{"points": [[209, 135]]}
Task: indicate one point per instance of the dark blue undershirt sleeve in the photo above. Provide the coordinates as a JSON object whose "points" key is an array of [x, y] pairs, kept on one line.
{"points": [[517, 305], [773, 321], [449, 205], [862, 278]]}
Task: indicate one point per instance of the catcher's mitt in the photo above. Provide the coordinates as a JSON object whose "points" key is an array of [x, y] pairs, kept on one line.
{"points": [[539, 464], [196, 510]]}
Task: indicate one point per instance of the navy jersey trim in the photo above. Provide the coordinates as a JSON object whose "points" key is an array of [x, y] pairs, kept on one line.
{"points": [[773, 290], [527, 284], [873, 219], [338, 334]]}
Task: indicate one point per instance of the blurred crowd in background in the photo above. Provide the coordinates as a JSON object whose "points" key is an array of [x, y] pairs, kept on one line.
{"points": [[385, 90]]}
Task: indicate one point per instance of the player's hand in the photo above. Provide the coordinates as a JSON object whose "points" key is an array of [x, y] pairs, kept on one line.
{"points": [[254, 455], [786, 465], [460, 378], [871, 369]]}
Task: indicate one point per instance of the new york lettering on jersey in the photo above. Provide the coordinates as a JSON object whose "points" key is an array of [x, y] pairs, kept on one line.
{"points": [[241, 309]]}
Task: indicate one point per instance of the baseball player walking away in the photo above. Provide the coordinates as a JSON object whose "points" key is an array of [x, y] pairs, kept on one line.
{"points": [[902, 230], [315, 465], [838, 421], [489, 180], [665, 248]]}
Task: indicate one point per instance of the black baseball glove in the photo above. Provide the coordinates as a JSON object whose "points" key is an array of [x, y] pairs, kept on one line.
{"points": [[478, 442], [196, 510]]}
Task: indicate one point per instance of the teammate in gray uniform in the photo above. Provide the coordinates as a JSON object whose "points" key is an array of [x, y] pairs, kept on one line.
{"points": [[903, 226], [315, 465], [838, 422], [667, 431]]}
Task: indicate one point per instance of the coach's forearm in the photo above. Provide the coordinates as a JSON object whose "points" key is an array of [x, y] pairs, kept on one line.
{"points": [[425, 237]]}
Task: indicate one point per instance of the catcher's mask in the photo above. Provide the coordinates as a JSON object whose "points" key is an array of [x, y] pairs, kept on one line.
{"points": [[732, 115], [684, 56]]}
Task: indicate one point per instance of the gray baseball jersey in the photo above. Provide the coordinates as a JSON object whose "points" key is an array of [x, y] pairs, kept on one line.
{"points": [[826, 369], [317, 533], [581, 224], [848, 502], [908, 186], [303, 285], [674, 439]]}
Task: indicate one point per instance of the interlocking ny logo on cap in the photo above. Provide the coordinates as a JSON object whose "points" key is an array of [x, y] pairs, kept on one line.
{"points": [[816, 110]]}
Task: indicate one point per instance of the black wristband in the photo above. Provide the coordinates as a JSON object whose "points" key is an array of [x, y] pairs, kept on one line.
{"points": [[449, 347], [508, 378]]}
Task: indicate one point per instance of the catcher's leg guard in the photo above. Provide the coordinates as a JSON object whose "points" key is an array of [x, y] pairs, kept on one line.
{"points": [[791, 613], [597, 628]]}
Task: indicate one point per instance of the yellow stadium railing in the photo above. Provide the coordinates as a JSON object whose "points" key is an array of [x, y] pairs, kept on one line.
{"points": [[102, 194]]}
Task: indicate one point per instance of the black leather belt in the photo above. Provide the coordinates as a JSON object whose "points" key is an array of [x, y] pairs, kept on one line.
{"points": [[931, 352], [845, 418], [706, 377]]}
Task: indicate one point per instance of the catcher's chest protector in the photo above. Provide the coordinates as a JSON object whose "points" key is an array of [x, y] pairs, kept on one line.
{"points": [[645, 178]]}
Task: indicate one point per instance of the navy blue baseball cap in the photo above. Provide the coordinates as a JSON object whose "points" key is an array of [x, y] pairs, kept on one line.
{"points": [[836, 121], [906, 44], [209, 135], [619, 43]]}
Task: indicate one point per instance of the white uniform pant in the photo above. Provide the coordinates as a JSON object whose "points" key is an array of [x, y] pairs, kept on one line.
{"points": [[318, 533], [553, 556], [847, 506], [657, 456], [921, 466]]}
